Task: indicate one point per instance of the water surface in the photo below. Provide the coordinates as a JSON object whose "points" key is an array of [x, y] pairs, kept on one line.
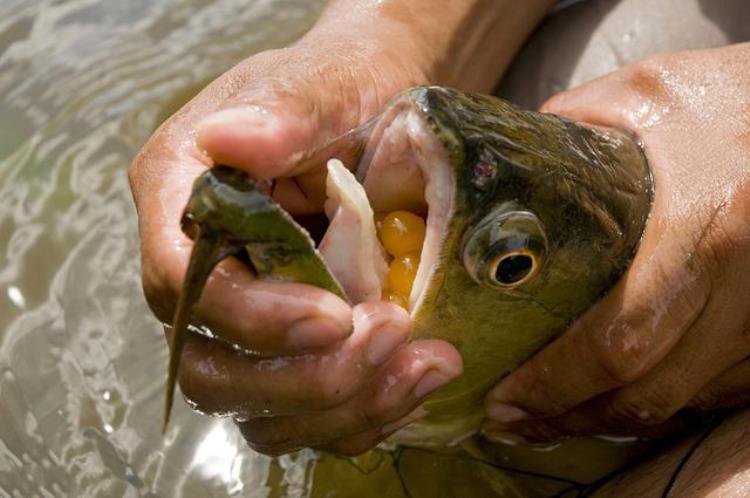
{"points": [[83, 84]]}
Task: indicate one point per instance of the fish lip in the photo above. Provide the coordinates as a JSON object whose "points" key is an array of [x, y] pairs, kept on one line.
{"points": [[434, 160], [372, 131]]}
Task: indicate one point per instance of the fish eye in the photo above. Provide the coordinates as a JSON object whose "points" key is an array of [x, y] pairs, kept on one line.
{"points": [[506, 249], [514, 268]]}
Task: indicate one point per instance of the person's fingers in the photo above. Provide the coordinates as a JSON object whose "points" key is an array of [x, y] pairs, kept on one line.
{"points": [[646, 407], [365, 441], [265, 317], [635, 325], [270, 318], [634, 97], [588, 419], [676, 282], [615, 342], [268, 143], [287, 127], [413, 373], [268, 124], [271, 109], [702, 354], [729, 389], [217, 379]]}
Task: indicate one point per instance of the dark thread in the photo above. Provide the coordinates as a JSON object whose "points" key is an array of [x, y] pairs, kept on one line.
{"points": [[714, 424]]}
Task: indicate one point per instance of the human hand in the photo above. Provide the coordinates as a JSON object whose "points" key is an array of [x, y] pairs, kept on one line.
{"points": [[325, 375], [673, 333]]}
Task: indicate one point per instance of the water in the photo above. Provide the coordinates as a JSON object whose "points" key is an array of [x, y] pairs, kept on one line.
{"points": [[83, 84]]}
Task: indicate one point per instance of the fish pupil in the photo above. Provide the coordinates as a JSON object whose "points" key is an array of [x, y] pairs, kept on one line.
{"points": [[514, 268]]}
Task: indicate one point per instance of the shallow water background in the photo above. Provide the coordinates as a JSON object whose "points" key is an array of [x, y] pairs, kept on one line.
{"points": [[83, 83]]}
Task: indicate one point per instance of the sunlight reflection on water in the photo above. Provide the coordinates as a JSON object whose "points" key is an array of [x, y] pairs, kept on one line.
{"points": [[83, 83]]}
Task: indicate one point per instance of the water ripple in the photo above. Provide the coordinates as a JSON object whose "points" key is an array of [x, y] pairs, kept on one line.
{"points": [[83, 83]]}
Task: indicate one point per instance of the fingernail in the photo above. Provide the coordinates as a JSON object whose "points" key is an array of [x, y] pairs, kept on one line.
{"points": [[500, 412], [237, 116], [430, 382], [310, 333], [382, 345], [505, 438]]}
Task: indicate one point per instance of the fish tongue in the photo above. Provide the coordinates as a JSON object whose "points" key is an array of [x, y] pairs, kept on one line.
{"points": [[350, 246]]}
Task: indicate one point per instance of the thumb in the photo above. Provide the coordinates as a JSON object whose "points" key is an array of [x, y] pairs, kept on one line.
{"points": [[270, 129], [264, 140], [275, 131]]}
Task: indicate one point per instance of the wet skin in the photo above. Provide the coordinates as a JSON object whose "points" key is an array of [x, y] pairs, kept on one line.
{"points": [[695, 177], [530, 218], [673, 334], [331, 362]]}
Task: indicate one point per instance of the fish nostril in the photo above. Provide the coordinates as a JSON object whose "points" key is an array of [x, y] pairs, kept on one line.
{"points": [[514, 268]]}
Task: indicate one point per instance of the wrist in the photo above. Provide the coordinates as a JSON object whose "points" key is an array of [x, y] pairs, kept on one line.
{"points": [[466, 44]]}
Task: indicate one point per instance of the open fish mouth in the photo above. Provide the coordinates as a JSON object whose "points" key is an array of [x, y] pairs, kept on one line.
{"points": [[404, 167]]}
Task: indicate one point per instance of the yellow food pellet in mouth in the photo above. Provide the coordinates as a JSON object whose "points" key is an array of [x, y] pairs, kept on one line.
{"points": [[402, 232], [401, 273], [394, 298]]}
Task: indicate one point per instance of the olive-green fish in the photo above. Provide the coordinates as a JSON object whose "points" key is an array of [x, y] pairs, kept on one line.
{"points": [[530, 218]]}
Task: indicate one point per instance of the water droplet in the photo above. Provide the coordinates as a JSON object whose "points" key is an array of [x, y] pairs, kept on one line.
{"points": [[108, 428]]}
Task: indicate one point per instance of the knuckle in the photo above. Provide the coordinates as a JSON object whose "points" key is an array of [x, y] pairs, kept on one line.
{"points": [[202, 391], [376, 411], [619, 352], [161, 298], [647, 75], [533, 391], [544, 401], [650, 79], [705, 401], [639, 411], [328, 391], [630, 345], [375, 416]]}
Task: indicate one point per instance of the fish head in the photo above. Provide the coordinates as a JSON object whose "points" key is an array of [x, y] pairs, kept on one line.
{"points": [[529, 219]]}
